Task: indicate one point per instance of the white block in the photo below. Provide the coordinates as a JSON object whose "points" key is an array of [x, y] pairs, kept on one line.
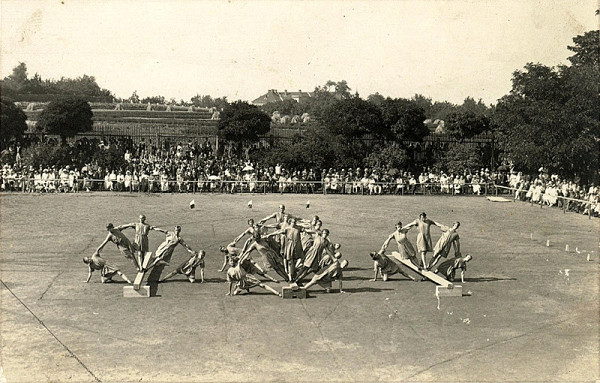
{"points": [[455, 291], [130, 292]]}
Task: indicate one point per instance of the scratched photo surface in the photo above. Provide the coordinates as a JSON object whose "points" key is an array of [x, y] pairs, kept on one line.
{"points": [[530, 308]]}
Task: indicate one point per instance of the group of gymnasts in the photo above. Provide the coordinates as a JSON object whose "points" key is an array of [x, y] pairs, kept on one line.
{"points": [[292, 247], [138, 252], [449, 239], [299, 251]]}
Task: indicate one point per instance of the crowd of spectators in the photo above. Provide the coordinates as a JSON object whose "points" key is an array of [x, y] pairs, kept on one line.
{"points": [[552, 190], [195, 167]]}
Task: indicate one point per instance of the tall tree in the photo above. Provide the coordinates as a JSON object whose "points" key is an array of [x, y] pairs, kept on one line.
{"points": [[586, 49], [353, 118], [466, 123], [12, 122], [243, 123], [404, 119], [66, 118], [551, 117], [18, 79]]}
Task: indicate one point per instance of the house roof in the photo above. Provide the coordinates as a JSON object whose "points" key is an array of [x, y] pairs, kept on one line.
{"points": [[273, 95]]}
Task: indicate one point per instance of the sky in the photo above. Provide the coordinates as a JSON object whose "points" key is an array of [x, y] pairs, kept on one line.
{"points": [[446, 50]]}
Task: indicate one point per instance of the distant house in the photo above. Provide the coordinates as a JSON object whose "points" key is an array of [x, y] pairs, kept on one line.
{"points": [[273, 95]]}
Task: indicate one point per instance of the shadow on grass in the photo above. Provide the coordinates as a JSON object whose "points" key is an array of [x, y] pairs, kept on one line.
{"points": [[365, 290], [256, 291], [185, 280], [356, 278], [487, 279]]}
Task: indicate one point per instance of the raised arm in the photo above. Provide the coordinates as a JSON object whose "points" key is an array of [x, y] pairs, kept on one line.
{"points": [[126, 226], [275, 233], [159, 229], [247, 231], [189, 249], [407, 227], [106, 240], [246, 245], [437, 224], [274, 215], [386, 243], [309, 231], [245, 255]]}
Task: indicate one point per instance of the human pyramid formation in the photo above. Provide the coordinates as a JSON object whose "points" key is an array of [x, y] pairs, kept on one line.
{"points": [[137, 250], [292, 247]]}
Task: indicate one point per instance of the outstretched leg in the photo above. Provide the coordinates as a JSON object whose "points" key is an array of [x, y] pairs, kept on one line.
{"points": [[281, 271], [313, 281], [406, 275], [170, 275], [157, 261], [269, 288], [263, 274], [434, 260], [124, 277], [303, 272]]}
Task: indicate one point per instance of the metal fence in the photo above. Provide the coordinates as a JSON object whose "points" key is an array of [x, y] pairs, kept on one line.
{"points": [[157, 185]]}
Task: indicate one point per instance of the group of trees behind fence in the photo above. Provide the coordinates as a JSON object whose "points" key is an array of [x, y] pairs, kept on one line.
{"points": [[549, 118]]}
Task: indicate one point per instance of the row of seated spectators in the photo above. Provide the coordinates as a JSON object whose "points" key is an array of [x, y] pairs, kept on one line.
{"points": [[545, 189], [195, 167]]}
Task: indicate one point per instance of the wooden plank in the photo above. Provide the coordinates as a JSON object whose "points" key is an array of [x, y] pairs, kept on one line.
{"points": [[427, 274], [138, 280], [147, 258], [455, 291], [131, 292], [140, 275]]}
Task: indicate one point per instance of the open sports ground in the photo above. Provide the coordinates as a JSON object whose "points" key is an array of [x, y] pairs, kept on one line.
{"points": [[530, 312]]}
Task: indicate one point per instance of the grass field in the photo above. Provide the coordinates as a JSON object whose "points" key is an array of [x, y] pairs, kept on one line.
{"points": [[525, 320]]}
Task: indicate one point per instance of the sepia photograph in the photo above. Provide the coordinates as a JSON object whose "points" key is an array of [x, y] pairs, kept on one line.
{"points": [[299, 191]]}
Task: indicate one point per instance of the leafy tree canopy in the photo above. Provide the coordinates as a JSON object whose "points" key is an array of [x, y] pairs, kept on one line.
{"points": [[20, 86], [404, 119], [465, 123], [66, 117], [12, 122], [551, 117], [242, 123], [353, 118]]}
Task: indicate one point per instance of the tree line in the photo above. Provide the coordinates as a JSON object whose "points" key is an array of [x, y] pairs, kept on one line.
{"points": [[550, 118]]}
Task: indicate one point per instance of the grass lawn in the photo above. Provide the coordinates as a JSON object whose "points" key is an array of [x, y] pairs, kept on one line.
{"points": [[527, 318]]}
